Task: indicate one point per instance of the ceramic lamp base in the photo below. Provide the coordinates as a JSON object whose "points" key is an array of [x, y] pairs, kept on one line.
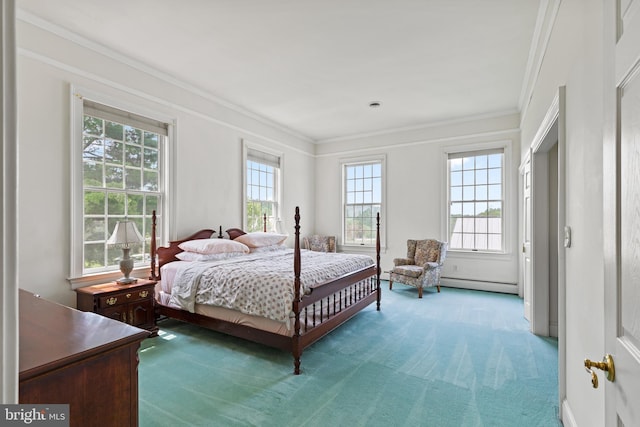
{"points": [[126, 281]]}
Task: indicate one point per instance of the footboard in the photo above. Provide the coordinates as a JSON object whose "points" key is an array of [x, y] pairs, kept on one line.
{"points": [[321, 314]]}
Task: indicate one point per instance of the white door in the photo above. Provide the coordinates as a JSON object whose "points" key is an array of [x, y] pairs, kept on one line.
{"points": [[526, 240], [622, 231]]}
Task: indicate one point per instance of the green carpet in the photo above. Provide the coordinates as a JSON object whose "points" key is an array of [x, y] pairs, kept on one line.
{"points": [[457, 358]]}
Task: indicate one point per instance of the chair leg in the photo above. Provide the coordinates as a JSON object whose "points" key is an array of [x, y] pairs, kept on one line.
{"points": [[390, 285], [438, 286], [420, 292]]}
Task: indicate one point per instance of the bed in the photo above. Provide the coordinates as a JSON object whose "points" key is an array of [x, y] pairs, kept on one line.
{"points": [[319, 291]]}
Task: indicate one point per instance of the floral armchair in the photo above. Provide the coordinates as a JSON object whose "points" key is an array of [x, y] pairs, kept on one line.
{"points": [[422, 266], [319, 243]]}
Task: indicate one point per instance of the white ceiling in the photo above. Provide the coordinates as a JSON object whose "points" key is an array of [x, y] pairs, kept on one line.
{"points": [[313, 66]]}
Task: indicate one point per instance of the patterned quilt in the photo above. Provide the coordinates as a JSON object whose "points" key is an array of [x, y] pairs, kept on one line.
{"points": [[259, 284]]}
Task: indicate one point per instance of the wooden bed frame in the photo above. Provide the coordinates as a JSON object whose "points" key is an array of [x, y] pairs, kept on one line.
{"points": [[349, 294]]}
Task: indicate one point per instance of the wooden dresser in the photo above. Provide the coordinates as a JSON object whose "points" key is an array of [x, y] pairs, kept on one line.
{"points": [[79, 358]]}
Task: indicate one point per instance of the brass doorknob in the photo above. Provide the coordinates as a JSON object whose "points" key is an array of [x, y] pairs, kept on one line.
{"points": [[606, 365]]}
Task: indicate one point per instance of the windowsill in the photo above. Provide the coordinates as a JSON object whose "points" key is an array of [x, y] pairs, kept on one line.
{"points": [[478, 254], [360, 249], [141, 272]]}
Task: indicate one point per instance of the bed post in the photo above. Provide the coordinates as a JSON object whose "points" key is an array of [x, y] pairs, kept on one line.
{"points": [[264, 222], [152, 249], [379, 292], [296, 350]]}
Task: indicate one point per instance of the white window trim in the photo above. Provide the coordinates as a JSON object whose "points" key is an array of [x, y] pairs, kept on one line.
{"points": [[507, 196], [279, 190], [77, 95], [382, 158]]}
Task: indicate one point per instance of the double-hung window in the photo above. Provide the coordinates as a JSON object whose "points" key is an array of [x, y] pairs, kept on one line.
{"points": [[476, 200], [122, 178], [362, 200], [262, 189]]}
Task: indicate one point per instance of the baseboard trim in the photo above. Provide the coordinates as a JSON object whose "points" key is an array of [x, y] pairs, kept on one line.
{"points": [[567, 416], [506, 288]]}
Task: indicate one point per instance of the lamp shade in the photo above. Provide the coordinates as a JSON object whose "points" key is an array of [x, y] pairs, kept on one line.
{"points": [[125, 234]]}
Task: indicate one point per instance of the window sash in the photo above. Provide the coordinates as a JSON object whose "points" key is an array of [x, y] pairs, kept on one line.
{"points": [[126, 182], [476, 200], [261, 189], [363, 194]]}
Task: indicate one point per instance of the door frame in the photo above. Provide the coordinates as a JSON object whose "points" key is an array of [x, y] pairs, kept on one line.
{"points": [[9, 351], [550, 132]]}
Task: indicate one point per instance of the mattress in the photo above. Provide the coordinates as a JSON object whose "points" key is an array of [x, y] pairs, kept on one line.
{"points": [[163, 293]]}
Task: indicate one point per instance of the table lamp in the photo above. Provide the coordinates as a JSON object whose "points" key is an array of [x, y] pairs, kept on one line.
{"points": [[125, 235]]}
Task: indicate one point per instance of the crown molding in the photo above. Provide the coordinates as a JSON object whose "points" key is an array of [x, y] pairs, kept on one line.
{"points": [[503, 135]]}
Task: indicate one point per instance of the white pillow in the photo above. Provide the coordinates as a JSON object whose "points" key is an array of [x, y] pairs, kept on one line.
{"points": [[213, 246], [193, 256], [271, 248], [258, 239]]}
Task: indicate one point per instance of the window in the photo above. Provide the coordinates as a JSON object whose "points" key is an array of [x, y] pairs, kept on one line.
{"points": [[122, 177], [363, 196], [476, 200], [262, 189]]}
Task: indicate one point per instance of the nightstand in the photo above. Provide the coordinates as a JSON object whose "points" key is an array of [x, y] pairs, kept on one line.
{"points": [[132, 304]]}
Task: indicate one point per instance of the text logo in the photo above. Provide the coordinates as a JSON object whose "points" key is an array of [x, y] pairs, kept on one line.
{"points": [[34, 415]]}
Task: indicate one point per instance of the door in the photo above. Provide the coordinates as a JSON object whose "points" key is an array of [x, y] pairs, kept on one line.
{"points": [[622, 196], [526, 240]]}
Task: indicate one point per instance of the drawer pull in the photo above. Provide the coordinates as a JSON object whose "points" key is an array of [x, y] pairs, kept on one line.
{"points": [[143, 294], [112, 300], [128, 295]]}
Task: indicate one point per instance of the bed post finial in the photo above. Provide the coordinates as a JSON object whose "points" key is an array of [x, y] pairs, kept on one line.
{"points": [[152, 249], [379, 292]]}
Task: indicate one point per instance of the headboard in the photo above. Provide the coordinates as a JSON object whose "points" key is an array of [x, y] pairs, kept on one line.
{"points": [[166, 254]]}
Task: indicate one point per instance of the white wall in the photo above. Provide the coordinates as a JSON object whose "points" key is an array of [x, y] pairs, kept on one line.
{"points": [[574, 59], [209, 149], [416, 189]]}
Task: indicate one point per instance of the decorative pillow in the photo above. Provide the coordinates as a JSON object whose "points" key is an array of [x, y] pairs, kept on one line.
{"points": [[213, 246], [193, 256], [258, 239]]}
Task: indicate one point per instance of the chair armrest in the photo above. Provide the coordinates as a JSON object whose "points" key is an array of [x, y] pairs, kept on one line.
{"points": [[432, 266], [402, 261]]}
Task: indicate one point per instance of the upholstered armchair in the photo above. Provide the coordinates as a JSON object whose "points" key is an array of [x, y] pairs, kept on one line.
{"points": [[319, 243], [422, 266]]}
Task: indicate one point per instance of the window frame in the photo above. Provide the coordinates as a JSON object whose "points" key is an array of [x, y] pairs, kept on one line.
{"points": [[166, 184], [248, 146], [344, 163], [506, 197]]}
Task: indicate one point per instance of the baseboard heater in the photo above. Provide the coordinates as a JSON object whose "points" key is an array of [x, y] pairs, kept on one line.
{"points": [[480, 285]]}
